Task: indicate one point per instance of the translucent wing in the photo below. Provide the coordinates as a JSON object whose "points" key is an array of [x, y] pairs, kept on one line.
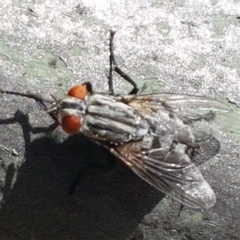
{"points": [[171, 172], [154, 159], [188, 108], [178, 117]]}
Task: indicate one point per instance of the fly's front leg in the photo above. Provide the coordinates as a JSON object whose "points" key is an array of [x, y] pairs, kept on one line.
{"points": [[113, 66], [36, 97], [42, 101]]}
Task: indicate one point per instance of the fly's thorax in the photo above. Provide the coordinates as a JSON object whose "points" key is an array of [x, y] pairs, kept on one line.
{"points": [[108, 119]]}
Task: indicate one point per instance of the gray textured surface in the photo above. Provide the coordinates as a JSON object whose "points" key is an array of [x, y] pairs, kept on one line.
{"points": [[47, 46]]}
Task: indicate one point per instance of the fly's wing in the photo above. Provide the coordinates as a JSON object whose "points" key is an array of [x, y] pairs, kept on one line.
{"points": [[188, 108], [171, 172], [167, 168], [180, 115]]}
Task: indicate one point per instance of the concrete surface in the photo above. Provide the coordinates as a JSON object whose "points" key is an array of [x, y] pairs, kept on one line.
{"points": [[175, 46]]}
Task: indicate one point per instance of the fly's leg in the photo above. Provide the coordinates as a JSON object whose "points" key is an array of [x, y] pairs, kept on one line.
{"points": [[42, 102], [48, 129], [33, 96], [180, 209], [114, 67], [111, 63], [36, 97]]}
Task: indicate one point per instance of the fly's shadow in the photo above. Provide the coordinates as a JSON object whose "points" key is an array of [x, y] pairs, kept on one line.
{"points": [[39, 206]]}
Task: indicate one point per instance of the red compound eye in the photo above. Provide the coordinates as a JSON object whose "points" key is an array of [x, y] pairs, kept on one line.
{"points": [[71, 124], [78, 91]]}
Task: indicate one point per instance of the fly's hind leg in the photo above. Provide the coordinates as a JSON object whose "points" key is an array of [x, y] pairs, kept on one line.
{"points": [[114, 67]]}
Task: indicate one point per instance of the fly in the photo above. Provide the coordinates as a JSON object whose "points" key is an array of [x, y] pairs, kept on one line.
{"points": [[153, 134]]}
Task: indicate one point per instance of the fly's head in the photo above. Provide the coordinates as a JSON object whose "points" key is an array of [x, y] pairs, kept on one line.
{"points": [[70, 110]]}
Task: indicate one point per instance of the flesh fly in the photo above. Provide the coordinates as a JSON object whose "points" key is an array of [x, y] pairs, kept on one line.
{"points": [[153, 134]]}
